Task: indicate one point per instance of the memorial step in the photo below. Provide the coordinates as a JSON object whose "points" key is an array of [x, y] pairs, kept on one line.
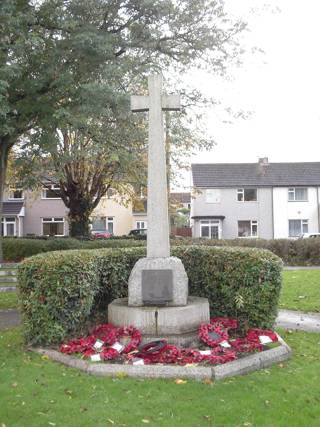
{"points": [[8, 279]]}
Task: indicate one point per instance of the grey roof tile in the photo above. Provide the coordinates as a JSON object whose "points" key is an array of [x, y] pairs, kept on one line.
{"points": [[12, 208], [207, 175]]}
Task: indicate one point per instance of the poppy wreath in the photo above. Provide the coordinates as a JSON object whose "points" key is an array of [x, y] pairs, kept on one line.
{"points": [[170, 354], [189, 355], [151, 351], [242, 345], [254, 334], [225, 322], [133, 333], [107, 333], [80, 345], [204, 334]]}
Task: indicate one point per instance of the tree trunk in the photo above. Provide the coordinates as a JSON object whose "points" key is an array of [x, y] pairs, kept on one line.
{"points": [[5, 147], [79, 218]]}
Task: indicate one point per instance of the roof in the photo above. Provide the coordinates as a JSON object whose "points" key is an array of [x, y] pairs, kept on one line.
{"points": [[180, 197], [11, 208], [208, 175]]}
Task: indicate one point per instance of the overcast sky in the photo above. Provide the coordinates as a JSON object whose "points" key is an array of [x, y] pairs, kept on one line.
{"points": [[281, 87]]}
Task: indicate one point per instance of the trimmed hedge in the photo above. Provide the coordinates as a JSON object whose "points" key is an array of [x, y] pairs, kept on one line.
{"points": [[16, 249], [292, 252], [61, 292]]}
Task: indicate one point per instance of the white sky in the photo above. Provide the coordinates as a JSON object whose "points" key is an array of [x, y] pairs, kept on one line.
{"points": [[281, 87]]}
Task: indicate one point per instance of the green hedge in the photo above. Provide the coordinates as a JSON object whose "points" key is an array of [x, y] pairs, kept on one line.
{"points": [[16, 249], [62, 291], [292, 252]]}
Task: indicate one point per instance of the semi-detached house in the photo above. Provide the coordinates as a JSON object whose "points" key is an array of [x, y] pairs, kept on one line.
{"points": [[265, 200], [43, 213]]}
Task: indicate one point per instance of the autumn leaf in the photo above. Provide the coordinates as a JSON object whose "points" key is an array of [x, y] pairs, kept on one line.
{"points": [[145, 421], [180, 381]]}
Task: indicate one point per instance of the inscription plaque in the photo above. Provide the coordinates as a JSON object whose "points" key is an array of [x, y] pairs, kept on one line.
{"points": [[157, 287]]}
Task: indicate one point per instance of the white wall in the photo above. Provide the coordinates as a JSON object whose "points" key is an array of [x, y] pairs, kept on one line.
{"points": [[283, 210]]}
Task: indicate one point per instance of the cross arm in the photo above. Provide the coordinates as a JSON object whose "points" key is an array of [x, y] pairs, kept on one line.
{"points": [[171, 102], [139, 103]]}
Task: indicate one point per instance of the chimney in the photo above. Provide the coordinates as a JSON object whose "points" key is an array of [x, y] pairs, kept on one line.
{"points": [[263, 163]]}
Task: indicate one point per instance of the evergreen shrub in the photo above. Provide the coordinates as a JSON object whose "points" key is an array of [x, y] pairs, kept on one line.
{"points": [[60, 292]]}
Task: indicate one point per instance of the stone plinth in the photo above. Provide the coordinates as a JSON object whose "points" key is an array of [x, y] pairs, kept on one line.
{"points": [[178, 325], [179, 280]]}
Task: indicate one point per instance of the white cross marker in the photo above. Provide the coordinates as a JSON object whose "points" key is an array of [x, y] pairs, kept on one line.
{"points": [[158, 245]]}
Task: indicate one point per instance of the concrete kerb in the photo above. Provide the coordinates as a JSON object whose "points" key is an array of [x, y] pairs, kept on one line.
{"points": [[242, 366]]}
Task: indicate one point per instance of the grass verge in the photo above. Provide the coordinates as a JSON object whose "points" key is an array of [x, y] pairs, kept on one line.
{"points": [[301, 290], [8, 300], [35, 391]]}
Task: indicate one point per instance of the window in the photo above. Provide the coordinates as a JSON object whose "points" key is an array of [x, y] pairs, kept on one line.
{"points": [[53, 226], [297, 227], [247, 228], [247, 195], [210, 229], [15, 193], [51, 191], [99, 223], [110, 224], [8, 226], [212, 196], [140, 225], [298, 194]]}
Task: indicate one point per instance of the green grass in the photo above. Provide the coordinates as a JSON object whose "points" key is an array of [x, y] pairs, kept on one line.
{"points": [[8, 300], [37, 392], [301, 290]]}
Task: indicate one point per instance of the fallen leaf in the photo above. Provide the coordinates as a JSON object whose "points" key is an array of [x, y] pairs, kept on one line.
{"points": [[45, 357], [180, 381], [110, 421], [207, 381], [14, 385], [145, 421], [51, 424]]}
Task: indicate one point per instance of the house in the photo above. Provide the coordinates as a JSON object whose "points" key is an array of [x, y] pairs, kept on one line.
{"points": [[265, 200], [43, 213], [139, 211]]}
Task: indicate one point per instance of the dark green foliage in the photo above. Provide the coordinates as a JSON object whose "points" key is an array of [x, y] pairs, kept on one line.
{"points": [[62, 291], [292, 252], [17, 249]]}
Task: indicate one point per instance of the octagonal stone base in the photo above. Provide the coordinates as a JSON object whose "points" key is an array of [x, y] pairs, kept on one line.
{"points": [[178, 325]]}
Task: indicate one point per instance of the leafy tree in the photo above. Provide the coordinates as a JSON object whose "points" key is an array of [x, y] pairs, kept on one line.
{"points": [[57, 53]]}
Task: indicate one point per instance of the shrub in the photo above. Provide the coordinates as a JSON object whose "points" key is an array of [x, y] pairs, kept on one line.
{"points": [[60, 292], [16, 249]]}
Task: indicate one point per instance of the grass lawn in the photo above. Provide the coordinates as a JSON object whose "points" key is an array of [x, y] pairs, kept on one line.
{"points": [[37, 392], [8, 300], [301, 290]]}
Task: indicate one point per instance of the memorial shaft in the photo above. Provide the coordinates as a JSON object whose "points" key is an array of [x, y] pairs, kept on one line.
{"points": [[158, 245]]}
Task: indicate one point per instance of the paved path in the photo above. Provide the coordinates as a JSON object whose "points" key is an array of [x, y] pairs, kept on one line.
{"points": [[9, 319], [297, 320], [297, 267], [288, 319]]}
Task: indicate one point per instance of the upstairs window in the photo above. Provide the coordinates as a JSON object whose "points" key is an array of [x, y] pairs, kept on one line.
{"points": [[247, 194], [248, 228], [212, 196], [298, 227], [16, 194], [141, 225], [298, 194], [51, 191]]}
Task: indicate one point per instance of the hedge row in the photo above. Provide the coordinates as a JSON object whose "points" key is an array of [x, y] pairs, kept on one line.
{"points": [[16, 249], [292, 252], [62, 291]]}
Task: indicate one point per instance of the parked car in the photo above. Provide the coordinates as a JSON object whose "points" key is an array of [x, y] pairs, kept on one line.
{"points": [[101, 234], [310, 235], [138, 232]]}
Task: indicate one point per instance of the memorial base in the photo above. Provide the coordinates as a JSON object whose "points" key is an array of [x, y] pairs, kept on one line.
{"points": [[178, 325]]}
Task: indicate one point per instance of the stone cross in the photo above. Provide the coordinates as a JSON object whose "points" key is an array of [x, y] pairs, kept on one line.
{"points": [[158, 245]]}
